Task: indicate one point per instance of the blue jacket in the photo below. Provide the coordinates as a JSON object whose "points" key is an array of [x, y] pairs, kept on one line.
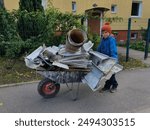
{"points": [[108, 47]]}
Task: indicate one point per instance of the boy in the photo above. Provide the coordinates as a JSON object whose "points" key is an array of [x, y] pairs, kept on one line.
{"points": [[108, 47]]}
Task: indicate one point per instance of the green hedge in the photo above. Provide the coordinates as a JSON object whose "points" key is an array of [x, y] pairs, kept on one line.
{"points": [[24, 31]]}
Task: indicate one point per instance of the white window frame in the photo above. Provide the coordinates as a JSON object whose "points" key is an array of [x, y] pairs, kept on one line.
{"points": [[74, 6], [139, 10], [115, 8]]}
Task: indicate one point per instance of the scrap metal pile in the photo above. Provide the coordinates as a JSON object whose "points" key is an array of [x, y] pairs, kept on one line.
{"points": [[75, 57]]}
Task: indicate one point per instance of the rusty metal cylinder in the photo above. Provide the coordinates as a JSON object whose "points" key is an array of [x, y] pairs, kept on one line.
{"points": [[75, 39]]}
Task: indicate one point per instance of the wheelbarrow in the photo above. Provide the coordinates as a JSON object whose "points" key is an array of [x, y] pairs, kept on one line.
{"points": [[74, 62], [101, 69], [50, 85], [53, 75]]}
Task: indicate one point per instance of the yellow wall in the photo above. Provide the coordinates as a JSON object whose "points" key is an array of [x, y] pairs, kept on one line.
{"points": [[82, 5], [123, 10], [11, 4]]}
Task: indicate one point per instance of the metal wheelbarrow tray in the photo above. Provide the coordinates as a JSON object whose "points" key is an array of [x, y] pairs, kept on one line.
{"points": [[50, 85]]}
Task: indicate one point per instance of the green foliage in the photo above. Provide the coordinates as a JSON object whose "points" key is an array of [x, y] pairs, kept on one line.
{"points": [[7, 30], [113, 19], [31, 44], [7, 26], [31, 19], [58, 22], [30, 5], [13, 49], [31, 24], [122, 44], [35, 28], [95, 38], [2, 48], [138, 45], [105, 19], [143, 33]]}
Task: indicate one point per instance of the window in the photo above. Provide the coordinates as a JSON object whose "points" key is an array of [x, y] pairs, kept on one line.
{"points": [[74, 6], [134, 36], [136, 9], [113, 8]]}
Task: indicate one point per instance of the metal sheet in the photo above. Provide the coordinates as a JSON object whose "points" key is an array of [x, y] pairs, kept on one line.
{"points": [[92, 78]]}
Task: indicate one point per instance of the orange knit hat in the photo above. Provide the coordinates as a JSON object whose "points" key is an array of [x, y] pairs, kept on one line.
{"points": [[106, 27]]}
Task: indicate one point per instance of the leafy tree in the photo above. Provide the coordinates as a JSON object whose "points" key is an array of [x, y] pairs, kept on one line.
{"points": [[8, 30], [31, 20], [30, 5], [7, 25], [58, 25], [31, 24]]}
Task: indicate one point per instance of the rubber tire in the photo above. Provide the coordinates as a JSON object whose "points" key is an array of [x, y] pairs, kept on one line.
{"points": [[42, 88]]}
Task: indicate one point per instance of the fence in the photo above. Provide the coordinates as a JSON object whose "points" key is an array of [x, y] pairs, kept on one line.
{"points": [[147, 38]]}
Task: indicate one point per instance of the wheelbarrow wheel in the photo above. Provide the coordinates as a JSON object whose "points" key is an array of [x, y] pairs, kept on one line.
{"points": [[48, 88]]}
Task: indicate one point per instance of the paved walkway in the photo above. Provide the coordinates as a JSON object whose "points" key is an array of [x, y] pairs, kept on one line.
{"points": [[134, 54], [133, 96]]}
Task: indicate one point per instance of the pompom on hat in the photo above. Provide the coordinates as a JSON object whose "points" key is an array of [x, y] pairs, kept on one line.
{"points": [[106, 27]]}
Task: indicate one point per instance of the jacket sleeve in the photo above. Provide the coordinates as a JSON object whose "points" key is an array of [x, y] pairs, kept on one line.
{"points": [[99, 47], [113, 49]]}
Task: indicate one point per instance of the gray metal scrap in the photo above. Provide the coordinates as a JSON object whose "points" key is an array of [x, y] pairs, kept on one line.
{"points": [[100, 66], [73, 59], [102, 69], [93, 77]]}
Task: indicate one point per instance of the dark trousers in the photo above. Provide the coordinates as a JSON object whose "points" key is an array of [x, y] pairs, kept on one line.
{"points": [[111, 83]]}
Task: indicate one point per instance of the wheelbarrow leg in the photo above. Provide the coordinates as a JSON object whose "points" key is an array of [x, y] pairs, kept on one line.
{"points": [[70, 88], [75, 92]]}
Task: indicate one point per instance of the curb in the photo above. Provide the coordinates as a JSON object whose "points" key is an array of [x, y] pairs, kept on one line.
{"points": [[18, 84]]}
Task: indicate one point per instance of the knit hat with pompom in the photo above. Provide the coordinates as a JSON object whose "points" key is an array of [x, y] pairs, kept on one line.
{"points": [[106, 27]]}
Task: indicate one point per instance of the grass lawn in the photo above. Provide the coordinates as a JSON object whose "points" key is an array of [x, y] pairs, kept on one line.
{"points": [[14, 71], [132, 63]]}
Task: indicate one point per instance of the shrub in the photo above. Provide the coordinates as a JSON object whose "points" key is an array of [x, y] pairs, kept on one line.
{"points": [[31, 19], [13, 49], [138, 45], [30, 5], [35, 28], [95, 38], [7, 30], [2, 48], [59, 22], [31, 24], [7, 26]]}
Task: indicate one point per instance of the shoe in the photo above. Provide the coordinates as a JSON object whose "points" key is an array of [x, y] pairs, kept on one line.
{"points": [[103, 90], [113, 90]]}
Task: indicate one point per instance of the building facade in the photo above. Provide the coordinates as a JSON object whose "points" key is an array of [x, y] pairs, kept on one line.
{"points": [[137, 10]]}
